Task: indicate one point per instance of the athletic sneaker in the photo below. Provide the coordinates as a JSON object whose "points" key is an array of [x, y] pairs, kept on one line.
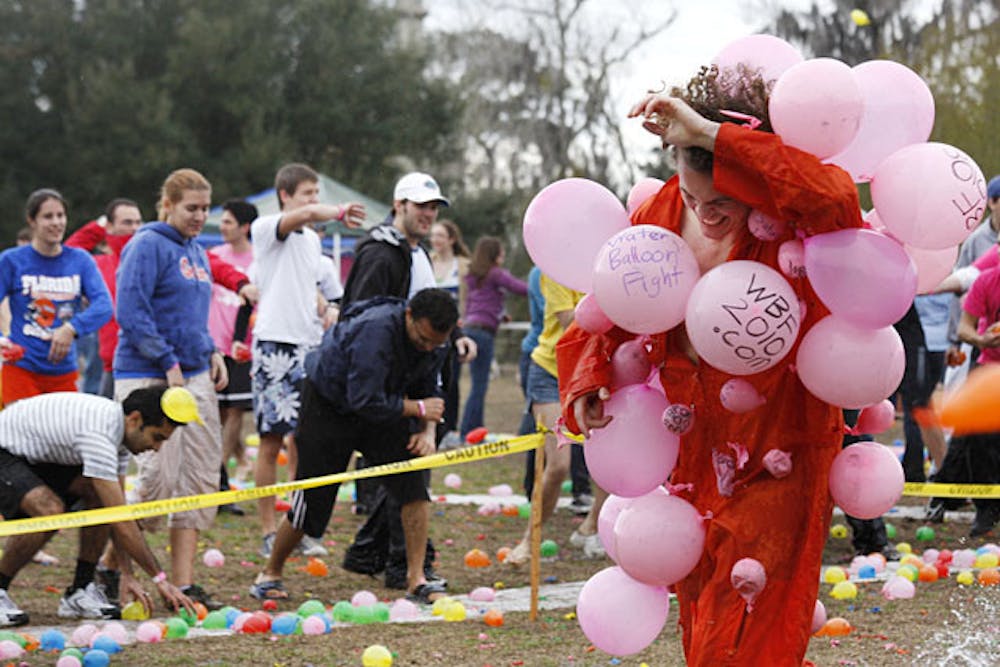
{"points": [[581, 504], [88, 602], [10, 614], [199, 594], [310, 546], [591, 544]]}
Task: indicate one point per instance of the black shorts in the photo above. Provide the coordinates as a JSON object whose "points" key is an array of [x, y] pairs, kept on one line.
{"points": [[238, 393], [325, 442], [18, 477]]}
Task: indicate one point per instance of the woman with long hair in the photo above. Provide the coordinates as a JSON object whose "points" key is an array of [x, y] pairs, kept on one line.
{"points": [[450, 261], [164, 292], [486, 286]]}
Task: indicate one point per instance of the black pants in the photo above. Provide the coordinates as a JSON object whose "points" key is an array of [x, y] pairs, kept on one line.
{"points": [[867, 535], [971, 459]]}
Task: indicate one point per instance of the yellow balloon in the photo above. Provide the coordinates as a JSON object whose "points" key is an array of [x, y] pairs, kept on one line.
{"points": [[376, 655], [134, 611], [987, 560], [908, 572], [439, 606], [904, 548], [253, 440], [860, 18], [834, 575], [454, 612], [838, 531], [844, 590], [179, 405], [965, 578]]}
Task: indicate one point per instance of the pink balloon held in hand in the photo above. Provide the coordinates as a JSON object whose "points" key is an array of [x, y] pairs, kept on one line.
{"points": [[748, 578], [739, 396]]}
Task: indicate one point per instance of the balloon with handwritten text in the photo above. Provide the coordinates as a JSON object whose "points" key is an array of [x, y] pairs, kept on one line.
{"points": [[642, 278], [742, 317], [929, 195]]}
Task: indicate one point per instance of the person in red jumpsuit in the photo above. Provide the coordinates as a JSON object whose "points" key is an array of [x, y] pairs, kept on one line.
{"points": [[779, 517]]}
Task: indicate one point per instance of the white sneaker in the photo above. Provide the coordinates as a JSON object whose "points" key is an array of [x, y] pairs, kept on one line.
{"points": [[88, 602], [10, 614], [590, 544], [312, 547]]}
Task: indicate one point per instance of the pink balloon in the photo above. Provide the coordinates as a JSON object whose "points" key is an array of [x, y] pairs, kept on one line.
{"points": [[899, 111], [148, 632], [659, 539], [641, 191], [635, 453], [678, 418], [565, 226], [933, 266], [642, 278], [876, 418], [792, 258], [116, 631], [765, 227], [590, 317], [313, 625], [68, 661], [769, 55], [742, 317], [866, 480], [898, 588], [363, 599], [821, 119], [749, 579], [929, 195], [620, 615], [862, 276], [819, 617], [82, 634], [848, 366], [213, 558], [610, 510], [930, 556], [964, 558], [404, 610], [738, 395], [483, 594], [629, 364]]}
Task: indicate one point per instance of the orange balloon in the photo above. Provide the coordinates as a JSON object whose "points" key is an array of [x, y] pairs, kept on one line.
{"points": [[493, 618], [282, 458], [510, 510], [476, 558], [989, 576], [30, 642], [975, 406], [502, 554], [317, 568], [200, 610], [836, 627], [928, 573]]}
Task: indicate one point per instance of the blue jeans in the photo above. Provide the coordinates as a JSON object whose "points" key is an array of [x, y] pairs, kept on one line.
{"points": [[479, 369]]}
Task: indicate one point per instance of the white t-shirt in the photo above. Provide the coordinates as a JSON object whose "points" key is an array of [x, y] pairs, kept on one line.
{"points": [[421, 272], [69, 429], [329, 279], [286, 272]]}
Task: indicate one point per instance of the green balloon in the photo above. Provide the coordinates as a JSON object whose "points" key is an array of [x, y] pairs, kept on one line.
{"points": [[549, 549], [177, 628], [567, 486], [72, 652], [364, 615], [188, 617], [215, 620], [925, 533], [343, 611], [7, 635], [524, 510], [310, 607], [381, 612], [890, 531]]}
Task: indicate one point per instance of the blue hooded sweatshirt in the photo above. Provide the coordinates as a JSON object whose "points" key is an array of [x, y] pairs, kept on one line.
{"points": [[44, 293], [164, 291]]}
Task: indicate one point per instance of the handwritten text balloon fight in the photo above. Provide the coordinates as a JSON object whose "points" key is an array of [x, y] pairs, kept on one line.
{"points": [[742, 317], [566, 224], [642, 278]]}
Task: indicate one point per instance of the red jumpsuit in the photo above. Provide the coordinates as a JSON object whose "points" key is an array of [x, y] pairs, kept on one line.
{"points": [[782, 523]]}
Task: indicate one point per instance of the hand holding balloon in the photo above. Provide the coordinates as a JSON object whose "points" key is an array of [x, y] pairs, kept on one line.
{"points": [[675, 122], [589, 411]]}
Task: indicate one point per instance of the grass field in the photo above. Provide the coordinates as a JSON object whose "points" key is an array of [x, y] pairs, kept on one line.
{"points": [[944, 624]]}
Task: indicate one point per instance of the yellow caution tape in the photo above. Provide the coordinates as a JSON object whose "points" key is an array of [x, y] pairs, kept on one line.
{"points": [[160, 507], [952, 490]]}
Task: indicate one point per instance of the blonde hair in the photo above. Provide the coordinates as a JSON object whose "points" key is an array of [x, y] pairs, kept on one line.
{"points": [[176, 184]]}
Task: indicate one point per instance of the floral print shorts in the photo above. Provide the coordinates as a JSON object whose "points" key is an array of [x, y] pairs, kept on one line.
{"points": [[278, 371]]}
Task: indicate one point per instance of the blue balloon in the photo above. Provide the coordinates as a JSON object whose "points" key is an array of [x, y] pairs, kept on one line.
{"points": [[96, 658], [52, 640], [284, 624], [231, 615], [866, 572], [106, 644]]}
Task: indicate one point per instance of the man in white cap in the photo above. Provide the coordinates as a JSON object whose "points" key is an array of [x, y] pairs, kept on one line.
{"points": [[390, 261]]}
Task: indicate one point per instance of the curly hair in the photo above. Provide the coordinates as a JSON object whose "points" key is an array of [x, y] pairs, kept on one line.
{"points": [[711, 91]]}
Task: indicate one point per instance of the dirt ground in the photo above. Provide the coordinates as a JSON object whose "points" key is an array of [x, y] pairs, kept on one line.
{"points": [[945, 624]]}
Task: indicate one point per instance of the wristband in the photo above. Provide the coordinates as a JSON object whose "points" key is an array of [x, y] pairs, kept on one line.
{"points": [[421, 408], [159, 577], [341, 212]]}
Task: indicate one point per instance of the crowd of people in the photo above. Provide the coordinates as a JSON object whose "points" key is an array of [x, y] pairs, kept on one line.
{"points": [[371, 366]]}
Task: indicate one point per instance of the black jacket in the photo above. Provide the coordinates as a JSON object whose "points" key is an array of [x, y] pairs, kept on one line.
{"points": [[381, 267]]}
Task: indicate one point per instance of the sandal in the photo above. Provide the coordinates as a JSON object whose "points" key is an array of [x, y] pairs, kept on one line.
{"points": [[269, 590], [427, 593]]}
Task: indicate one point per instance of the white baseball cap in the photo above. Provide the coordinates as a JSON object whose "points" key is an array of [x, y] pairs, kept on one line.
{"points": [[420, 188]]}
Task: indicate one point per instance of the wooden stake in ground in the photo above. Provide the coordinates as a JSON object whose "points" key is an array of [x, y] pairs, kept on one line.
{"points": [[536, 529]]}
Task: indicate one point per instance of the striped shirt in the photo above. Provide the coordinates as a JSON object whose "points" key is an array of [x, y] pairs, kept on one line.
{"points": [[69, 429]]}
